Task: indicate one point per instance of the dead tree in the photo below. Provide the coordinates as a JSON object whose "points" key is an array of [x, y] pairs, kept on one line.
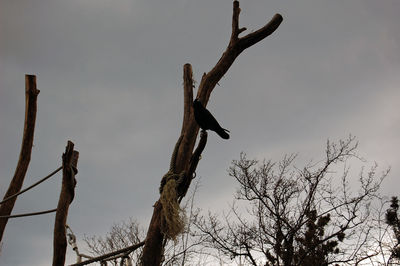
{"points": [[288, 215], [31, 93], [184, 160]]}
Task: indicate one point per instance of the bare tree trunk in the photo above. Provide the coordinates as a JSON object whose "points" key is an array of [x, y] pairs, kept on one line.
{"points": [[70, 161], [152, 252], [31, 93]]}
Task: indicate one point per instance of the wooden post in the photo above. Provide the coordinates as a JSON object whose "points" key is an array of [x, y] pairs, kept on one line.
{"points": [[16, 183], [70, 161]]}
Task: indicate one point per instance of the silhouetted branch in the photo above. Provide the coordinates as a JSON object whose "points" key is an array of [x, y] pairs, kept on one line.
{"points": [[236, 46]]}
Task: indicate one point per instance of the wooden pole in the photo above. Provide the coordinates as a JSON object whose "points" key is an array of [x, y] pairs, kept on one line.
{"points": [[31, 93], [70, 161]]}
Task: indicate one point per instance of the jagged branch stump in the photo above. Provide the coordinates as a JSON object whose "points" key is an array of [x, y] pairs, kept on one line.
{"points": [[70, 161]]}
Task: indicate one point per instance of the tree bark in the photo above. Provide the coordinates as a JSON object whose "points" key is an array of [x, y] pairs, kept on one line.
{"points": [[70, 161], [152, 252], [31, 93]]}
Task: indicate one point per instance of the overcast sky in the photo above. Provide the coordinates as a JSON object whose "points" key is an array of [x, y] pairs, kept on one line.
{"points": [[110, 79]]}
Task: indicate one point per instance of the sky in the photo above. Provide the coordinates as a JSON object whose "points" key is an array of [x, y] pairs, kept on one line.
{"points": [[110, 79]]}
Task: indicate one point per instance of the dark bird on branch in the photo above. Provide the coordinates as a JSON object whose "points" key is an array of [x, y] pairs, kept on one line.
{"points": [[207, 121]]}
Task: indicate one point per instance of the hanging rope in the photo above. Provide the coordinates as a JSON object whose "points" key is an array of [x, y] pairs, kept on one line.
{"points": [[32, 186], [28, 214], [72, 242]]}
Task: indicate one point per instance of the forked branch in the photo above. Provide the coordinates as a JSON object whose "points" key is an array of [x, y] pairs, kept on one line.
{"points": [[236, 46], [209, 80]]}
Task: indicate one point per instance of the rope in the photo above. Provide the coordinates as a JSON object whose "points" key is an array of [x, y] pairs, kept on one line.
{"points": [[72, 242], [32, 186], [27, 214], [172, 217]]}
